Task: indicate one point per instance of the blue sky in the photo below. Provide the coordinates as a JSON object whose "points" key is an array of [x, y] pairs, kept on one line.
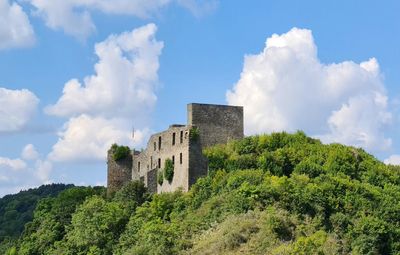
{"points": [[328, 68]]}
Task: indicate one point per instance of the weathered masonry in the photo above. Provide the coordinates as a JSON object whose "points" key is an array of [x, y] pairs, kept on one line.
{"points": [[180, 145]]}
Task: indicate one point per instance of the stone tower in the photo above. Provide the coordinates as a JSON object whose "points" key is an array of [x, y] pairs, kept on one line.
{"points": [[119, 172], [217, 123]]}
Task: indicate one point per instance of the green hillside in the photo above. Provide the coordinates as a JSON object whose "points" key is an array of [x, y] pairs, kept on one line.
{"points": [[16, 210], [268, 194]]}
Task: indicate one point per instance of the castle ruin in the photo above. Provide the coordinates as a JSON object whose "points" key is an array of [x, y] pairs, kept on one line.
{"points": [[181, 145]]}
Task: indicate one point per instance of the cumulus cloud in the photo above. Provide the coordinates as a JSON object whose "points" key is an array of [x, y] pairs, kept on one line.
{"points": [[73, 16], [104, 108], [86, 138], [125, 79], [29, 152], [10, 171], [43, 170], [16, 174], [17, 108], [12, 164], [286, 87], [393, 160], [15, 28]]}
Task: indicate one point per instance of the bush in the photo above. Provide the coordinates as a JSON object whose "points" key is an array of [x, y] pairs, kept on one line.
{"points": [[217, 156], [308, 167], [120, 152], [132, 194]]}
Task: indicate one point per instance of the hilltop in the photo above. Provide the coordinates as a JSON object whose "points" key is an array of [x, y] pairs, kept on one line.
{"points": [[268, 194], [17, 209]]}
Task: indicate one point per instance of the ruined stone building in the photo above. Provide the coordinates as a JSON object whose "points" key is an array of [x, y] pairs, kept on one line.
{"points": [[182, 145]]}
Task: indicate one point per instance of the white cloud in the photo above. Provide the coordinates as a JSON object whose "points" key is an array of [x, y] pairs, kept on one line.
{"points": [[16, 109], [286, 87], [125, 79], [15, 29], [87, 138], [43, 170], [12, 164], [199, 8], [60, 14], [17, 174], [74, 16], [393, 160], [107, 105], [359, 122], [29, 152]]}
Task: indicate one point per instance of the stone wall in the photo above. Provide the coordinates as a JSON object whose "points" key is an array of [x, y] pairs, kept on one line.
{"points": [[149, 158], [217, 123], [152, 181], [118, 172], [198, 164]]}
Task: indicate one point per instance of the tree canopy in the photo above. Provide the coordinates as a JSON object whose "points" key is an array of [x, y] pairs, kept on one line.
{"points": [[268, 194]]}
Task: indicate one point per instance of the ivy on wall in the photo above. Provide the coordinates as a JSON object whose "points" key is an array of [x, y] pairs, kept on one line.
{"points": [[160, 178], [194, 134], [167, 173], [168, 170]]}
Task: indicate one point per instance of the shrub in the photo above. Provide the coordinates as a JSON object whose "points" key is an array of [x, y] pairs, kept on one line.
{"points": [[12, 251], [120, 152], [308, 167], [132, 194], [169, 170], [217, 156], [239, 162]]}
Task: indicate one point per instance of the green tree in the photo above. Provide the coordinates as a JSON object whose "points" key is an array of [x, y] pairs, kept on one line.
{"points": [[133, 194], [96, 226], [52, 217]]}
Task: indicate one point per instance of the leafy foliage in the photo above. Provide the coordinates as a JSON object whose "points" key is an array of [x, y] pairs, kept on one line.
{"points": [[194, 134], [16, 210], [168, 170], [132, 195], [120, 152], [52, 219], [160, 177], [134, 192], [95, 226], [269, 194]]}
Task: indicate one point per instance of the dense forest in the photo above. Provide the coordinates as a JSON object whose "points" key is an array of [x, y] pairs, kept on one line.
{"points": [[16, 210], [269, 194]]}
